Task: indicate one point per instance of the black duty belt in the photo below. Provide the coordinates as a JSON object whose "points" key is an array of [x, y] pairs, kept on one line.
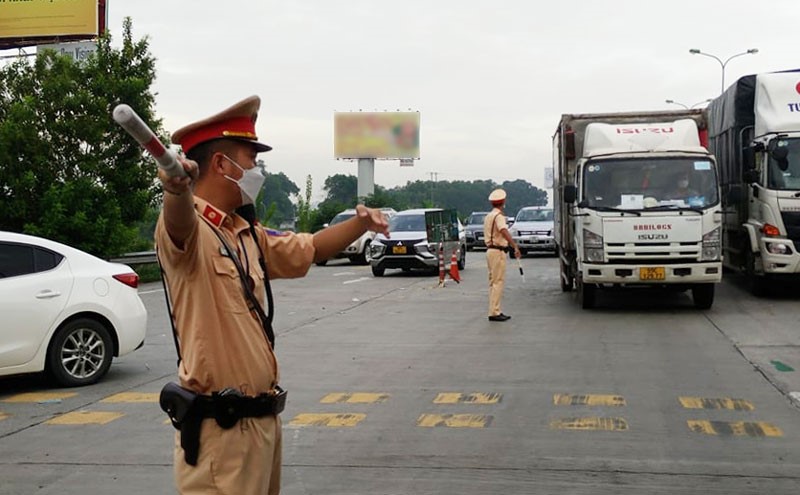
{"points": [[499, 248], [187, 410]]}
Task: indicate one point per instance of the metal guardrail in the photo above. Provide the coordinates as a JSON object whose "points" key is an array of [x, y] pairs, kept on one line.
{"points": [[140, 258]]}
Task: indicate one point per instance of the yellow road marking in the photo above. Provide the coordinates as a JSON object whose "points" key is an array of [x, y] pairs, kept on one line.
{"points": [[131, 397], [473, 398], [588, 400], [721, 403], [354, 398], [454, 420], [40, 396], [735, 428], [85, 418], [330, 420], [590, 423]]}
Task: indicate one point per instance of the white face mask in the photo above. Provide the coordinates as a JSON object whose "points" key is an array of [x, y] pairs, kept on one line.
{"points": [[683, 183], [250, 183]]}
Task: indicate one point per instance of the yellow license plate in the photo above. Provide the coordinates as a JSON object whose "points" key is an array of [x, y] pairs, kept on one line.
{"points": [[398, 250], [652, 273]]}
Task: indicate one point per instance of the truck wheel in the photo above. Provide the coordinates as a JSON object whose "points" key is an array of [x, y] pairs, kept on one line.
{"points": [[756, 283], [586, 293], [378, 271], [703, 295]]}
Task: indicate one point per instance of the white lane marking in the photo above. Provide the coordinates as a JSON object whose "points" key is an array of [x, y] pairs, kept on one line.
{"points": [[151, 291], [356, 280], [340, 274]]}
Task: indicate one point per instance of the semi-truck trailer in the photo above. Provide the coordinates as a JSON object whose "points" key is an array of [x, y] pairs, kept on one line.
{"points": [[754, 132], [637, 204]]}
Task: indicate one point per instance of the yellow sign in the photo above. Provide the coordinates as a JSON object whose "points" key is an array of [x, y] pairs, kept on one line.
{"points": [[33, 18]]}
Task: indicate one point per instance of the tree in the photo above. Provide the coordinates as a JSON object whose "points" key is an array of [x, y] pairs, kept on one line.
{"points": [[304, 212], [522, 193], [67, 171], [275, 197], [342, 189]]}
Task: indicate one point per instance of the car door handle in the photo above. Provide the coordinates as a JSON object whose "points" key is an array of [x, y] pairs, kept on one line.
{"points": [[47, 294]]}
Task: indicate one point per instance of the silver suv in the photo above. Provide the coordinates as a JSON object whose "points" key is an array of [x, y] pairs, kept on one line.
{"points": [[359, 250], [533, 229], [408, 247]]}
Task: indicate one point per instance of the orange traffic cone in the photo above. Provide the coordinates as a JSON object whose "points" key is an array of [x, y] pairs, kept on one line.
{"points": [[454, 268]]}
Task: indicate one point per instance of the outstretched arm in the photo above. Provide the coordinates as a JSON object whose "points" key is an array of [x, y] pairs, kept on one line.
{"points": [[332, 240]]}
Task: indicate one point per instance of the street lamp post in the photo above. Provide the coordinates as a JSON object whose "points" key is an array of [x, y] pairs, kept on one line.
{"points": [[696, 51], [686, 106]]}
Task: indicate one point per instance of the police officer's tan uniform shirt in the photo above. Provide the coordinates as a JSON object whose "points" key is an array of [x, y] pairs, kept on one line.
{"points": [[222, 344], [492, 234]]}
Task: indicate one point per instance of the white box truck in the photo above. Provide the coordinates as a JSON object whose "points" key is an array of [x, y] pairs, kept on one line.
{"points": [[754, 131], [637, 204]]}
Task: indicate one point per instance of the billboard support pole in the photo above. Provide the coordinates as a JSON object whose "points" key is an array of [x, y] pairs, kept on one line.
{"points": [[366, 177]]}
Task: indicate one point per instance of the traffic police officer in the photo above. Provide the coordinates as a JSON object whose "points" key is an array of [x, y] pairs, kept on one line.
{"points": [[495, 231], [221, 341]]}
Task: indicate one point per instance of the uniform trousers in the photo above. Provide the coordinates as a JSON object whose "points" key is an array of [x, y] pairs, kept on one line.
{"points": [[496, 261], [243, 460]]}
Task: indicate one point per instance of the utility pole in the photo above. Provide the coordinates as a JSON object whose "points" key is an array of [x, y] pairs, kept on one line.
{"points": [[434, 179]]}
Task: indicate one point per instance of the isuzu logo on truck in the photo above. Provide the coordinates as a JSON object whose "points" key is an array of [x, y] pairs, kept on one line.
{"points": [[642, 130]]}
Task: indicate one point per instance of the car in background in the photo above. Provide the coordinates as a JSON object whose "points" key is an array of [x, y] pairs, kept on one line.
{"points": [[65, 311], [408, 247], [533, 230], [359, 250], [474, 230]]}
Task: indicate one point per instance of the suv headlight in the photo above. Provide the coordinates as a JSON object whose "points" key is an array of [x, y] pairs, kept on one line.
{"points": [[711, 246], [592, 247], [376, 249]]}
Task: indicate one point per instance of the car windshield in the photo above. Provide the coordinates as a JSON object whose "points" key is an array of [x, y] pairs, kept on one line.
{"points": [[407, 223], [653, 182], [789, 178], [341, 217], [535, 216], [476, 219]]}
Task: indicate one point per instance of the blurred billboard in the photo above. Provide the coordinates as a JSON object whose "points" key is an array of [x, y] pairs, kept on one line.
{"points": [[376, 134], [34, 22]]}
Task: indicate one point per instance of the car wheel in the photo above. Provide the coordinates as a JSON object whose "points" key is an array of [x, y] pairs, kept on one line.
{"points": [[80, 353], [321, 263], [378, 271], [363, 258]]}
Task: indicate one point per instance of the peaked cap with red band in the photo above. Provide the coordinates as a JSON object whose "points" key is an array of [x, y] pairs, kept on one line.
{"points": [[236, 122]]}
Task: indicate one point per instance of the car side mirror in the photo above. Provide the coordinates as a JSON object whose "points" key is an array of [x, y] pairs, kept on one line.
{"points": [[570, 193]]}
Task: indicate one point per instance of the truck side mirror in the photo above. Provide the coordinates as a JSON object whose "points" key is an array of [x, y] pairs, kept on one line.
{"points": [[751, 176], [749, 158], [570, 194], [735, 194]]}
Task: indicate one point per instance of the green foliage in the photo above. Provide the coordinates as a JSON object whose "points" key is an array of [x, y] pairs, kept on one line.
{"points": [[275, 198], [304, 213], [342, 189], [67, 171]]}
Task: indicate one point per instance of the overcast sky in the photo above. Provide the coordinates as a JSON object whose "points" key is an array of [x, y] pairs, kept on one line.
{"points": [[489, 78]]}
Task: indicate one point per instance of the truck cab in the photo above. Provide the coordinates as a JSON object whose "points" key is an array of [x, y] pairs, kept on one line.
{"points": [[640, 207]]}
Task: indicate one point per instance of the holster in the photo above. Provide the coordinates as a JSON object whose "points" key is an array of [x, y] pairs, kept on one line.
{"points": [[181, 406]]}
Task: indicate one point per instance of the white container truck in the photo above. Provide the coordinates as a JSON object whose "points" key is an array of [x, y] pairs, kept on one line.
{"points": [[637, 204], [754, 131]]}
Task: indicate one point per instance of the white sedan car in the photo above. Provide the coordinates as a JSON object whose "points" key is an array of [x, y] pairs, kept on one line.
{"points": [[65, 311]]}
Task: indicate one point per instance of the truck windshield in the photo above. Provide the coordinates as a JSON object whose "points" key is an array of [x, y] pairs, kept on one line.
{"points": [[789, 178], [637, 184]]}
